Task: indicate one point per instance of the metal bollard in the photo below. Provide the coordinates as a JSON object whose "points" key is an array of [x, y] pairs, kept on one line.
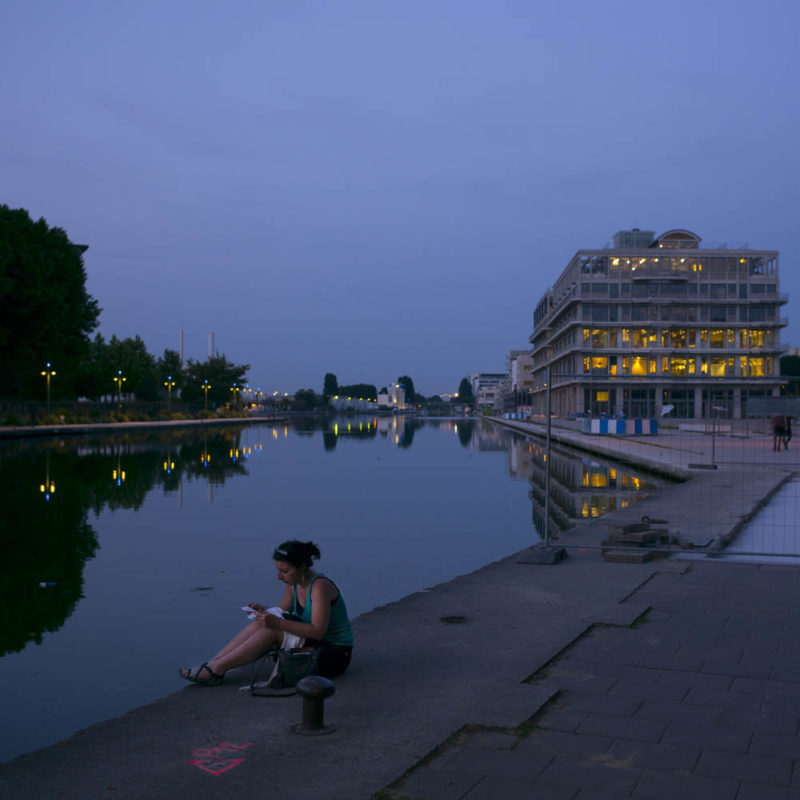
{"points": [[313, 689]]}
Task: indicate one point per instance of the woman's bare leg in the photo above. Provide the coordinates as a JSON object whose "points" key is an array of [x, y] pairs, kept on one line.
{"points": [[251, 642], [241, 637], [247, 651]]}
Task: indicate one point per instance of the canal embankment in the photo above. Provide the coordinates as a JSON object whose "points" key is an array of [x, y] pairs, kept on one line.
{"points": [[473, 654], [82, 429], [721, 483]]}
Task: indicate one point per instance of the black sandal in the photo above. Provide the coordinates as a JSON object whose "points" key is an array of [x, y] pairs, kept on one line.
{"points": [[194, 677]]}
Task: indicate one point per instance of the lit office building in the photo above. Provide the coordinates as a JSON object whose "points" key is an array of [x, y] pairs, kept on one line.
{"points": [[656, 322]]}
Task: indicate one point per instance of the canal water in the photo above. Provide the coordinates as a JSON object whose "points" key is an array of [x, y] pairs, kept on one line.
{"points": [[126, 556]]}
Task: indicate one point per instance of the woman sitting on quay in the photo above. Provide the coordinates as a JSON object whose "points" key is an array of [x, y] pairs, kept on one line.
{"points": [[319, 619]]}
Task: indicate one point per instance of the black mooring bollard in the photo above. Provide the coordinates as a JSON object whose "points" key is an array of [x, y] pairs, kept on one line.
{"points": [[313, 689]]}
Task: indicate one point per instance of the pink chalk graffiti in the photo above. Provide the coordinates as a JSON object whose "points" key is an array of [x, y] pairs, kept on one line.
{"points": [[219, 766], [212, 759]]}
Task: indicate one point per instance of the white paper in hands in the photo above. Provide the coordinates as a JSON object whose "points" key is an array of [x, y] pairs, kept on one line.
{"points": [[251, 612]]}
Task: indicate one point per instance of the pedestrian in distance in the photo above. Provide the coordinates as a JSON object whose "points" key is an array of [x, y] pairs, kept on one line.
{"points": [[778, 430]]}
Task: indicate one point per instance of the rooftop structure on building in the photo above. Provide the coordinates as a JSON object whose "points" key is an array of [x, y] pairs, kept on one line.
{"points": [[659, 324]]}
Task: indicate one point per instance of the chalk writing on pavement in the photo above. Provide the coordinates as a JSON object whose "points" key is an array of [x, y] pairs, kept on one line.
{"points": [[220, 758]]}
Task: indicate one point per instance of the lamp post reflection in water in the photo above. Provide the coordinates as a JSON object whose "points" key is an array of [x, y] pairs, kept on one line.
{"points": [[47, 488]]}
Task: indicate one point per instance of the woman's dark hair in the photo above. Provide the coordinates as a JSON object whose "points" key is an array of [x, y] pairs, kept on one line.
{"points": [[298, 554]]}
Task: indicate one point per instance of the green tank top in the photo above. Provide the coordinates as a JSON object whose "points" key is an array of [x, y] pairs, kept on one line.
{"points": [[339, 631]]}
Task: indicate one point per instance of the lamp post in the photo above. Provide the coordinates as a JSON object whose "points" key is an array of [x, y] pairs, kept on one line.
{"points": [[206, 387], [48, 373], [169, 383], [119, 380], [235, 389]]}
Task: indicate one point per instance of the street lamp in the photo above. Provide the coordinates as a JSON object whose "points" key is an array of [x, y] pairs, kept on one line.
{"points": [[119, 380], [48, 372], [206, 387], [169, 383], [235, 389]]}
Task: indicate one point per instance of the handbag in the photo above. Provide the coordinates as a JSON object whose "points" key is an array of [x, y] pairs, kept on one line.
{"points": [[289, 667]]}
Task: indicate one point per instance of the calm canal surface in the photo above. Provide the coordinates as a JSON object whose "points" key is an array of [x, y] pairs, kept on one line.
{"points": [[125, 556]]}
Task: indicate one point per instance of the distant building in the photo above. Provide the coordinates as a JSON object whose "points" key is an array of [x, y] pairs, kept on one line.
{"points": [[489, 388], [394, 397], [519, 395], [658, 321]]}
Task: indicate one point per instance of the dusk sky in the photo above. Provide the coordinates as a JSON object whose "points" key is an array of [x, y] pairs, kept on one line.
{"points": [[382, 188]]}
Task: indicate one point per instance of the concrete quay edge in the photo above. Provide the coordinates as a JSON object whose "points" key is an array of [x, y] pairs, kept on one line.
{"points": [[415, 681], [38, 431]]}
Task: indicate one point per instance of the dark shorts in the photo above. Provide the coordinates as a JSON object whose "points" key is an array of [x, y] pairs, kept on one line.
{"points": [[333, 660]]}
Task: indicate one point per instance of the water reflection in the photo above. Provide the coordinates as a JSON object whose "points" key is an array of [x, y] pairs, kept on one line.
{"points": [[581, 487], [48, 490]]}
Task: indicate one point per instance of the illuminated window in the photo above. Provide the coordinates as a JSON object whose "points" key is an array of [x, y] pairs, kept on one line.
{"points": [[717, 338], [677, 366], [743, 338], [692, 336], [743, 365], [586, 363], [731, 337], [704, 365], [639, 365], [626, 336], [756, 367], [756, 339], [599, 364], [718, 366], [692, 362], [678, 338], [704, 338], [651, 366], [587, 337], [601, 397], [626, 365], [652, 335], [599, 337]]}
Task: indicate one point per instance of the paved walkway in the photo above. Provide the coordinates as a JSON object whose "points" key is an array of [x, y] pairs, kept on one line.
{"points": [[584, 679], [700, 698]]}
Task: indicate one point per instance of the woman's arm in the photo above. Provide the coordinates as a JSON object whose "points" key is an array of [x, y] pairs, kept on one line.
{"points": [[323, 593]]}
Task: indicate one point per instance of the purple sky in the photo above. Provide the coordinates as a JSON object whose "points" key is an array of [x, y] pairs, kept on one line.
{"points": [[382, 188]]}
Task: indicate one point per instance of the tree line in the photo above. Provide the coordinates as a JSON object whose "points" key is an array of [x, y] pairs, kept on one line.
{"points": [[46, 321]]}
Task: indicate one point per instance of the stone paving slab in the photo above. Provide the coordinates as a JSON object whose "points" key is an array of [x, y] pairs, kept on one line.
{"points": [[647, 730]]}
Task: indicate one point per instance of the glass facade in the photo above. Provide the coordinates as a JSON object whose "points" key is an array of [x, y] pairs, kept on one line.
{"points": [[678, 318]]}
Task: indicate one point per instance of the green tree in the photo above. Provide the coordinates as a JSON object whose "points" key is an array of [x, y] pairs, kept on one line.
{"points": [[790, 369], [137, 365], [331, 385], [365, 390], [305, 399], [408, 388], [465, 391], [95, 368], [46, 314], [169, 366], [221, 375]]}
